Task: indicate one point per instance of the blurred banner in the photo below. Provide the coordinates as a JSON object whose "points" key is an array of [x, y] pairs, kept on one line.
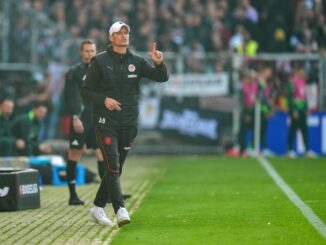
{"points": [[312, 96], [192, 84], [184, 119], [278, 131], [149, 112]]}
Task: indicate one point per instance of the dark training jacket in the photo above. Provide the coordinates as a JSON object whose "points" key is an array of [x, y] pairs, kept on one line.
{"points": [[118, 76], [27, 127], [7, 140], [73, 100]]}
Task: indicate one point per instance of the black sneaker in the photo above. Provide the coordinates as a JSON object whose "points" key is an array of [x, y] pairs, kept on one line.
{"points": [[125, 197], [75, 201]]}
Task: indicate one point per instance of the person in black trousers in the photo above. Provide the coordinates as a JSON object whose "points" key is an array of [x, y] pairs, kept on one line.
{"points": [[112, 85], [81, 126], [298, 111]]}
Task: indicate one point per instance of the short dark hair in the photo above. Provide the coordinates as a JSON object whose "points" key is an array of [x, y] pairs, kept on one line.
{"points": [[3, 98], [86, 41], [37, 104]]}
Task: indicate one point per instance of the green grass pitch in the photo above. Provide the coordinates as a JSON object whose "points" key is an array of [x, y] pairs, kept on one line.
{"points": [[184, 200]]}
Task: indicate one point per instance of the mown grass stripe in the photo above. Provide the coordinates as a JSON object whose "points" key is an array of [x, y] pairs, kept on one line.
{"points": [[60, 224], [31, 224], [36, 237], [307, 212], [57, 223], [40, 227]]}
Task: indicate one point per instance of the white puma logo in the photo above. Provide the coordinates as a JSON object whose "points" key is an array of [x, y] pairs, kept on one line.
{"points": [[110, 68], [4, 191]]}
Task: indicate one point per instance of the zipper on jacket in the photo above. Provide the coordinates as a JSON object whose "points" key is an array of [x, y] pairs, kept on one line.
{"points": [[120, 87]]}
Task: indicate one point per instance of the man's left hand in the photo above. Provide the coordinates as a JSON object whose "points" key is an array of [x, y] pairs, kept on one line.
{"points": [[156, 55]]}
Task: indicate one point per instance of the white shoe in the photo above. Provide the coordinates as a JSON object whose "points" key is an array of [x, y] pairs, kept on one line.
{"points": [[292, 154], [122, 217], [252, 152], [311, 154], [268, 153], [99, 216]]}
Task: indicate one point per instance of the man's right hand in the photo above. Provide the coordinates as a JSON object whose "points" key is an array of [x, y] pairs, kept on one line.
{"points": [[112, 104], [78, 125]]}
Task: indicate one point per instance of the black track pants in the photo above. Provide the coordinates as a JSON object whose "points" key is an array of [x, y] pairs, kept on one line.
{"points": [[115, 144]]}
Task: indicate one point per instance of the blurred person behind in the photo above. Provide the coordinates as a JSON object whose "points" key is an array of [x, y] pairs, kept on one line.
{"points": [[276, 36], [26, 127], [320, 30], [250, 11], [37, 91], [241, 16], [82, 132], [276, 23], [248, 47], [237, 39], [55, 75], [266, 105], [298, 111], [8, 143], [303, 40], [247, 98]]}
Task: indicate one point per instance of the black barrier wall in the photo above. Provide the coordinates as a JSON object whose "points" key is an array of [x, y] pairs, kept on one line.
{"points": [[19, 189]]}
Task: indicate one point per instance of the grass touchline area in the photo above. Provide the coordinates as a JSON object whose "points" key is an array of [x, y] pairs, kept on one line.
{"points": [[184, 200]]}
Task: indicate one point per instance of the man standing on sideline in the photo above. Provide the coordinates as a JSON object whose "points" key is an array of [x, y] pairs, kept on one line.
{"points": [[112, 85], [81, 127], [248, 98], [266, 106], [298, 111]]}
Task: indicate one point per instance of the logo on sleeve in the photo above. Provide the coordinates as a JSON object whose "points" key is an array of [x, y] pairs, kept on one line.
{"points": [[131, 68]]}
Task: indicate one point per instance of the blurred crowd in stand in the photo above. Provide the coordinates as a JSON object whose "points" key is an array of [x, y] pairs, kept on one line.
{"points": [[192, 28], [189, 27]]}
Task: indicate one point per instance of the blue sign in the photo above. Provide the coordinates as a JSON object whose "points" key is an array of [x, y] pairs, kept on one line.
{"points": [[277, 134]]}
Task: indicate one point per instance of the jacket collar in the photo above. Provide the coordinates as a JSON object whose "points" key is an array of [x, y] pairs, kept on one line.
{"points": [[117, 55]]}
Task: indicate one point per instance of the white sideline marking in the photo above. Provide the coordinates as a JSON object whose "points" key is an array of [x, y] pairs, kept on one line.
{"points": [[307, 212], [142, 192]]}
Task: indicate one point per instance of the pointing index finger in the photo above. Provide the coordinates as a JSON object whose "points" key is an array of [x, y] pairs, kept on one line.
{"points": [[154, 47]]}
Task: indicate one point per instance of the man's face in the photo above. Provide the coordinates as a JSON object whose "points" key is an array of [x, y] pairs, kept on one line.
{"points": [[40, 112], [7, 107], [120, 38], [88, 51]]}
